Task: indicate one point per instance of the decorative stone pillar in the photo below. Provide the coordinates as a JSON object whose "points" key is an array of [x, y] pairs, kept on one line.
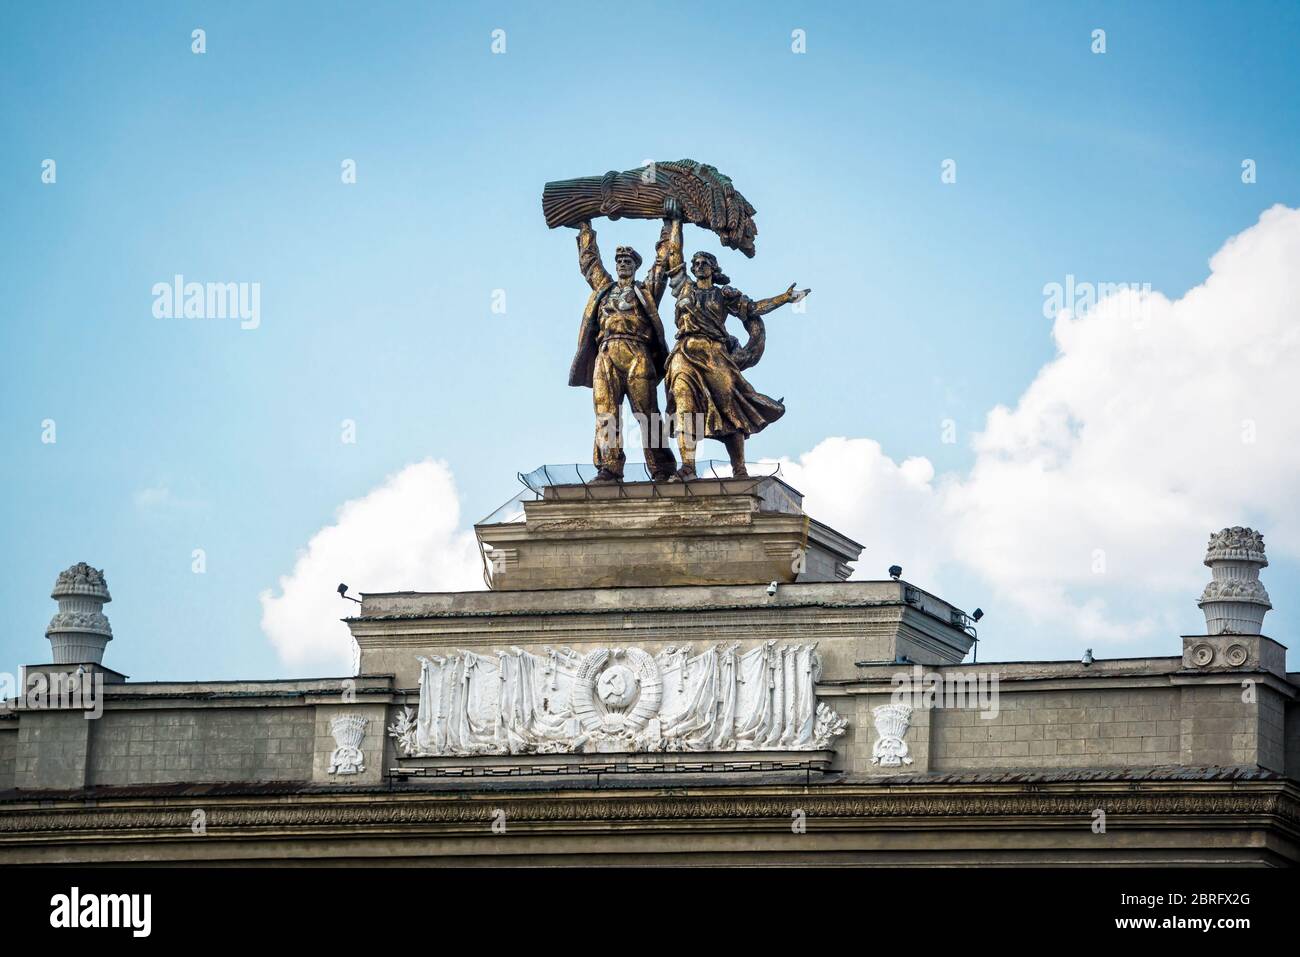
{"points": [[79, 630], [1235, 601]]}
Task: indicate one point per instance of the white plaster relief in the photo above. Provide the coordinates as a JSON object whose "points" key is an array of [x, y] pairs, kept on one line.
{"points": [[619, 699], [349, 730]]}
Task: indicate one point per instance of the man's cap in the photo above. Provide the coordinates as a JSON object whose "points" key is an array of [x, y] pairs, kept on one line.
{"points": [[629, 252]]}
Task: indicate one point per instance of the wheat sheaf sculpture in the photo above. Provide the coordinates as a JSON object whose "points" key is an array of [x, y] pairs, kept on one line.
{"points": [[705, 196]]}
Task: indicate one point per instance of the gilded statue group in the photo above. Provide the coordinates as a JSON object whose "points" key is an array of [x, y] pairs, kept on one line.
{"points": [[623, 352]]}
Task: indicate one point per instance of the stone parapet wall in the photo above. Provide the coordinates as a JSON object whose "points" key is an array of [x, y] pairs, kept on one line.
{"points": [[143, 746], [1121, 715], [191, 732], [1132, 713]]}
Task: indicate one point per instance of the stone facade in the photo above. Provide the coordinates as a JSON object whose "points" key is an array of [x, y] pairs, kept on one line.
{"points": [[1191, 758]]}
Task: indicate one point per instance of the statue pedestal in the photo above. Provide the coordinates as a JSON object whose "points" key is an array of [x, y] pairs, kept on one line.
{"points": [[705, 532]]}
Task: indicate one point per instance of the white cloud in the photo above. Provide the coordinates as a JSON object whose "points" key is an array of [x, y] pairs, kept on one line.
{"points": [[892, 509], [1126, 450], [403, 535]]}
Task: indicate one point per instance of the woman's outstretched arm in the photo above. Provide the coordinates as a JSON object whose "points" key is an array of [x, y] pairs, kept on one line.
{"points": [[763, 306]]}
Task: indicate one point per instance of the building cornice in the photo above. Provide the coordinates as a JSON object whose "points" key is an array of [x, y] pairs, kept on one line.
{"points": [[1166, 803]]}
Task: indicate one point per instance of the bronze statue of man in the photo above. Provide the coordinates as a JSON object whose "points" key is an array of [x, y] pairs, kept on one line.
{"points": [[707, 395], [622, 353]]}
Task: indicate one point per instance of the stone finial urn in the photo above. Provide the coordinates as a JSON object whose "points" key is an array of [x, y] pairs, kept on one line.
{"points": [[79, 630], [1235, 601]]}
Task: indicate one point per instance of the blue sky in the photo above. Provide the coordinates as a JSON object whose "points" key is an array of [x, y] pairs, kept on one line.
{"points": [[376, 297]]}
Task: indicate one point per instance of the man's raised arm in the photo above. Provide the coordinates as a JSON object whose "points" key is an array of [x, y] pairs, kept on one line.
{"points": [[593, 270]]}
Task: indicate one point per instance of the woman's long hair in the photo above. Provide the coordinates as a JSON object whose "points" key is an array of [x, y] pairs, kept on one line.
{"points": [[720, 278]]}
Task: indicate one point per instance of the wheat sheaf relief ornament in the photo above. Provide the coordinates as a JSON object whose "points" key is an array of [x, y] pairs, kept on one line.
{"points": [[348, 731], [892, 722]]}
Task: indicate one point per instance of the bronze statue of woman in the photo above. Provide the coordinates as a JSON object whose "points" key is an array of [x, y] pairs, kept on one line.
{"points": [[708, 398]]}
